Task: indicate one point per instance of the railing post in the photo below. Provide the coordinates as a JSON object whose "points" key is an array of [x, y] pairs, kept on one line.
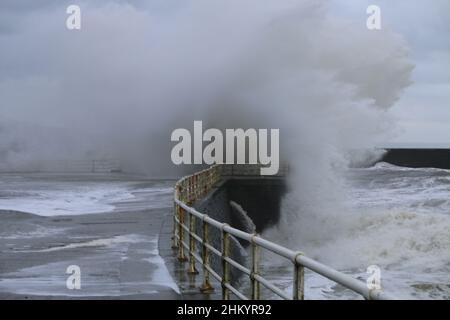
{"points": [[206, 285], [255, 264], [175, 213], [225, 266], [175, 224], [299, 280], [196, 188], [181, 255], [188, 189], [192, 269], [193, 189], [205, 182]]}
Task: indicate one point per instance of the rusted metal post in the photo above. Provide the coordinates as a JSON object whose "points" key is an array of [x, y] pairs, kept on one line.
{"points": [[175, 213], [299, 281], [192, 269], [188, 189], [206, 286], [181, 255], [225, 265], [205, 182], [175, 224], [196, 188], [255, 270], [192, 183], [189, 197]]}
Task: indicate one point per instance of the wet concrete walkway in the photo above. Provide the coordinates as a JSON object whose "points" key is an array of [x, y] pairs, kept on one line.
{"points": [[189, 285], [117, 252]]}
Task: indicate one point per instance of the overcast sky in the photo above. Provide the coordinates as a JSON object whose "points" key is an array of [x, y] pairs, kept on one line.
{"points": [[423, 111]]}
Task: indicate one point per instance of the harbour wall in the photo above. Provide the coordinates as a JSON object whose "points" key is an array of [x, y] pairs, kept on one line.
{"points": [[418, 157], [259, 200]]}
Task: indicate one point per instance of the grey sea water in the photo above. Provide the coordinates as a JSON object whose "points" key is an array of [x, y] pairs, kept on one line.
{"points": [[393, 217]]}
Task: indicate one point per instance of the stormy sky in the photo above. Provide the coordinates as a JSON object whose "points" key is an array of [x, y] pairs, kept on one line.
{"points": [[50, 76], [424, 109]]}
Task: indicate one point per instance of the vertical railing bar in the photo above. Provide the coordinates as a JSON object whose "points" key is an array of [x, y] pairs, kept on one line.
{"points": [[175, 225], [192, 269], [299, 280], [254, 271], [181, 255], [206, 286], [225, 265]]}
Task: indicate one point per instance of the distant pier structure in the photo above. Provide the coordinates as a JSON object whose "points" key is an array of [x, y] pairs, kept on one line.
{"points": [[103, 165], [88, 166], [418, 157], [85, 166]]}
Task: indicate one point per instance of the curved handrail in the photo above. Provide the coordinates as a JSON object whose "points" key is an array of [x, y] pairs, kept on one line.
{"points": [[193, 187]]}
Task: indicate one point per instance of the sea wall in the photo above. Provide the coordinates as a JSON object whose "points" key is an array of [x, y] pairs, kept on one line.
{"points": [[416, 158], [259, 198]]}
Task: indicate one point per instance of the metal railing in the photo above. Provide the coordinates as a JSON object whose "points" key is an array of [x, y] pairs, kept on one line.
{"points": [[193, 187]]}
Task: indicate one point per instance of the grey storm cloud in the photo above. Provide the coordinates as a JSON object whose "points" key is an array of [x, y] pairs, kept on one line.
{"points": [[139, 69]]}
